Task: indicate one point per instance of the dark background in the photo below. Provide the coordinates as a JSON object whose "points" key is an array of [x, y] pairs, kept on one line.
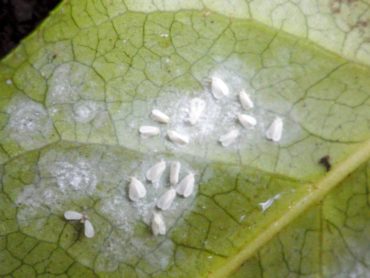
{"points": [[18, 18]]}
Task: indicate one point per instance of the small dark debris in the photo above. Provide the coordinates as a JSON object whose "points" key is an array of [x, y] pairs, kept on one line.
{"points": [[325, 161]]}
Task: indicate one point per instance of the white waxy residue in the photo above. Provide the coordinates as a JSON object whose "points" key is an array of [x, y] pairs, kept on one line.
{"points": [[155, 172], [178, 138], [158, 225], [197, 106], [229, 138], [88, 229], [265, 205], [275, 131], [186, 186], [136, 189], [73, 215], [166, 200], [160, 117], [175, 172], [147, 131], [219, 88], [245, 100], [247, 121]]}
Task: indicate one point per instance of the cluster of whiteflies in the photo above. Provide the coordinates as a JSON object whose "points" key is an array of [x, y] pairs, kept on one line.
{"points": [[137, 191], [219, 90]]}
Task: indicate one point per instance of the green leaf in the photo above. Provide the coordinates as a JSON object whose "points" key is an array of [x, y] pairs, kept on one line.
{"points": [[74, 94]]}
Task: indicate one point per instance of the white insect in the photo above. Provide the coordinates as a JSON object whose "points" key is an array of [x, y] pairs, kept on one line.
{"points": [[229, 138], [147, 131], [158, 225], [275, 131], [155, 172], [136, 189], [178, 138], [160, 117], [186, 186], [247, 121], [175, 172], [166, 200], [73, 215], [88, 227], [245, 100], [219, 88], [197, 107], [265, 205]]}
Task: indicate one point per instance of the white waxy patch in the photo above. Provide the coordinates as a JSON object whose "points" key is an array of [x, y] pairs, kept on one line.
{"points": [[147, 131], [229, 138], [73, 215], [197, 106], [219, 88], [136, 189], [186, 187], [245, 100], [88, 229], [158, 225], [178, 138], [160, 117], [247, 121], [155, 172], [175, 172], [166, 200], [275, 131]]}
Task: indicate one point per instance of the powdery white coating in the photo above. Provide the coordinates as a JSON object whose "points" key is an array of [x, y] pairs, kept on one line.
{"points": [[178, 138], [9, 82], [275, 131], [186, 186], [155, 172], [175, 172], [88, 229], [245, 100], [149, 131], [229, 138], [265, 205], [160, 117], [197, 106], [166, 200], [78, 176], [85, 111], [247, 121], [73, 215], [29, 123], [158, 225], [219, 88], [136, 189]]}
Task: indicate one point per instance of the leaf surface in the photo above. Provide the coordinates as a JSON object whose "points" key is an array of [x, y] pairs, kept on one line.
{"points": [[75, 93]]}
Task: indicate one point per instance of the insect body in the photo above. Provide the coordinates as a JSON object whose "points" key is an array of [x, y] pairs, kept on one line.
{"points": [[247, 121], [158, 225], [275, 131], [197, 107], [177, 138], [186, 186], [155, 172], [88, 227], [219, 88], [245, 100], [166, 200], [175, 172], [229, 138], [325, 161], [136, 189], [147, 131], [160, 117]]}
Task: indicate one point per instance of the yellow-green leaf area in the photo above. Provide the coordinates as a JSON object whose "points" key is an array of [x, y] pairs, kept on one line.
{"points": [[75, 93]]}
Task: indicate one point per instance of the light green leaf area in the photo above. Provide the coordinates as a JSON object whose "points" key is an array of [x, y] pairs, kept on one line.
{"points": [[75, 93]]}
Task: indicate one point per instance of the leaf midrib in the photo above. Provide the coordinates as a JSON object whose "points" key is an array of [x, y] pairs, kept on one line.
{"points": [[319, 190]]}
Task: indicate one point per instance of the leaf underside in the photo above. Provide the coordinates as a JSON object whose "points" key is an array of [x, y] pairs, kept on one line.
{"points": [[74, 94]]}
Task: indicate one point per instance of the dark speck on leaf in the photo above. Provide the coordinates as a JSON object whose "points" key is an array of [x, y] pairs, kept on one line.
{"points": [[325, 161]]}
